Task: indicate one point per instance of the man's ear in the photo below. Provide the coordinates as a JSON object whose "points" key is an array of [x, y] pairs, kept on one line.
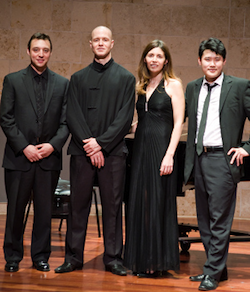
{"points": [[199, 61]]}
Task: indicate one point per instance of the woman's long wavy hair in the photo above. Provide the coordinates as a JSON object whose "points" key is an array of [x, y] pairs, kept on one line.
{"points": [[143, 72]]}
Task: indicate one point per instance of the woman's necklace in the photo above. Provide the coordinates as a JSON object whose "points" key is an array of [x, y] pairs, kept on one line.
{"points": [[153, 83]]}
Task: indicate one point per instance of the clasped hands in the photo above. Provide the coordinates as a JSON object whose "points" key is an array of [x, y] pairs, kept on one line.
{"points": [[93, 150], [38, 152]]}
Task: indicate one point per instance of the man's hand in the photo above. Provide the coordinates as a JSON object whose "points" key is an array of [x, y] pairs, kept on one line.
{"points": [[97, 159], [239, 154], [32, 154], [91, 146], [45, 149]]}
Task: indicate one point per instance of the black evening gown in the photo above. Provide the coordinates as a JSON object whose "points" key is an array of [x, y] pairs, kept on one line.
{"points": [[152, 229]]}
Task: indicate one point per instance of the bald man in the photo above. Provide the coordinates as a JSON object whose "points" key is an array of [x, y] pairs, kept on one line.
{"points": [[99, 115]]}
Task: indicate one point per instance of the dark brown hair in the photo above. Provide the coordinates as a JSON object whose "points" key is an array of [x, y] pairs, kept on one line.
{"points": [[143, 72], [39, 36]]}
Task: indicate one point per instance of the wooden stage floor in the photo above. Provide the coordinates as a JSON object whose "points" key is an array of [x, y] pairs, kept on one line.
{"points": [[94, 278]]}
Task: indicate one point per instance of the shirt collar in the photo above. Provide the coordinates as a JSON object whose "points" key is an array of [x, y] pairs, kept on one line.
{"points": [[99, 67], [218, 81], [44, 74]]}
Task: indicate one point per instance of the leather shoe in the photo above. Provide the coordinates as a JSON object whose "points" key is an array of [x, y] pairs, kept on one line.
{"points": [[117, 269], [66, 268], [200, 277], [11, 267], [197, 278], [208, 283], [41, 266]]}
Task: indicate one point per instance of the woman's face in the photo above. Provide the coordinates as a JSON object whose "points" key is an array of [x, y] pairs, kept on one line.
{"points": [[155, 61]]}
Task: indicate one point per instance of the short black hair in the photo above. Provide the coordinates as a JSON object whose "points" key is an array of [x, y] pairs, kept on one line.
{"points": [[39, 36], [213, 44]]}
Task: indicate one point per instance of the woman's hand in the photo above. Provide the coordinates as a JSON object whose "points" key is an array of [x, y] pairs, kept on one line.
{"points": [[167, 164]]}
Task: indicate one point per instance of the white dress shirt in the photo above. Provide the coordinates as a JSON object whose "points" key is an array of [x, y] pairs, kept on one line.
{"points": [[212, 134]]}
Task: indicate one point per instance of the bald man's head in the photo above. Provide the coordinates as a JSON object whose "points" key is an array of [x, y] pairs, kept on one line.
{"points": [[101, 43], [103, 29]]}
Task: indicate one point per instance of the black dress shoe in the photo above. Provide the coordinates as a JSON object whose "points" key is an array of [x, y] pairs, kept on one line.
{"points": [[117, 269], [197, 278], [11, 267], [208, 283], [200, 277], [41, 266], [66, 268]]}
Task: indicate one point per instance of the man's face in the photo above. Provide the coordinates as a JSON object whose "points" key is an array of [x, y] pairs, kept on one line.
{"points": [[101, 42], [211, 64], [39, 53]]}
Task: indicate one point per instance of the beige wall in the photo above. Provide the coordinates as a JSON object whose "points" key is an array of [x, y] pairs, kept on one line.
{"points": [[182, 24]]}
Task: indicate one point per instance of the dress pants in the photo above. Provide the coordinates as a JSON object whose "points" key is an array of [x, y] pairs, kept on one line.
{"points": [[111, 185], [19, 187], [215, 194]]}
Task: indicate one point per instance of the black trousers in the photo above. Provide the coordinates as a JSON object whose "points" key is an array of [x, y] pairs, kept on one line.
{"points": [[19, 187], [111, 184], [215, 194]]}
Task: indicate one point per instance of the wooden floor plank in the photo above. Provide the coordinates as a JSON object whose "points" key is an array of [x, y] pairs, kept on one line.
{"points": [[94, 278]]}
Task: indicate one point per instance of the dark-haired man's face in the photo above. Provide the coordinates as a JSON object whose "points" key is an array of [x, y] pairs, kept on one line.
{"points": [[211, 64], [39, 53]]}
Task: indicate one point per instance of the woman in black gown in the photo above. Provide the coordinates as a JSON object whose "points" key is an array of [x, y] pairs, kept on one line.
{"points": [[152, 231]]}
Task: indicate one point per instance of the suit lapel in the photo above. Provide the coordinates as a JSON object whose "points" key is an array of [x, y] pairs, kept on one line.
{"points": [[197, 88], [50, 87], [27, 80], [226, 86]]}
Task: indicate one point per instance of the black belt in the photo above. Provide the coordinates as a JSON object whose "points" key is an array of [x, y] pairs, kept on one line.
{"points": [[212, 148]]}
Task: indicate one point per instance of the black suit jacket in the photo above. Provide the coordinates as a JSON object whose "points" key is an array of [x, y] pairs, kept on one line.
{"points": [[234, 109], [107, 108], [18, 119]]}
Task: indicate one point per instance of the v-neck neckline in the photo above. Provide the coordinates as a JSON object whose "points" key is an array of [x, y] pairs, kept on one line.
{"points": [[153, 91]]}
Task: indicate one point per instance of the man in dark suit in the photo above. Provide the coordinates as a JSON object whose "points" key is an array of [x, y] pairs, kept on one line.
{"points": [[217, 107], [33, 118], [99, 115]]}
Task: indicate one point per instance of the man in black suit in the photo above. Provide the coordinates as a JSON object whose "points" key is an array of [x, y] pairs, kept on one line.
{"points": [[33, 118], [99, 115], [217, 107]]}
